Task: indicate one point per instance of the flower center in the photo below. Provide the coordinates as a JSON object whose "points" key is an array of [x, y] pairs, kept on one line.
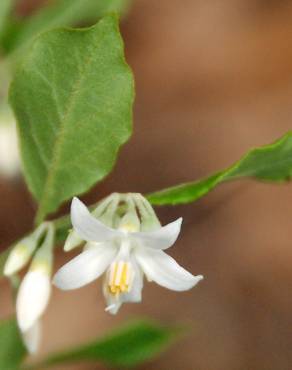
{"points": [[129, 227], [120, 277]]}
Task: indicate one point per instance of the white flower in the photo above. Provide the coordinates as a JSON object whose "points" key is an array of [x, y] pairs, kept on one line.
{"points": [[35, 289], [32, 298], [124, 253]]}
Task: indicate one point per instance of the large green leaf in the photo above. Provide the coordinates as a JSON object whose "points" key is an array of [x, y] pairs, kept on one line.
{"points": [[73, 101], [12, 351], [268, 163], [59, 13], [128, 346]]}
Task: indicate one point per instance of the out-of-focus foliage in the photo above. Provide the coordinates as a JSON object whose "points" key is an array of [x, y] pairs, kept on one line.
{"points": [[73, 101], [57, 13], [267, 163], [5, 8], [131, 344], [127, 346], [12, 351]]}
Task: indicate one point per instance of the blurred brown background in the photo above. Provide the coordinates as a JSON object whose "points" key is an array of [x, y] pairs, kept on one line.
{"points": [[213, 78]]}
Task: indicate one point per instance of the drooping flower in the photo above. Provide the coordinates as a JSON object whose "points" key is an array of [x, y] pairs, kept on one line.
{"points": [[125, 241], [35, 288]]}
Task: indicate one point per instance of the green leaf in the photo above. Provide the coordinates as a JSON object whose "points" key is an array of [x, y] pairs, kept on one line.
{"points": [[268, 163], [61, 13], [73, 101], [12, 350], [127, 346], [5, 8]]}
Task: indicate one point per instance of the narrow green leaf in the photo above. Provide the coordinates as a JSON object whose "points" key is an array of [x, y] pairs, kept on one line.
{"points": [[12, 350], [128, 346], [73, 101], [267, 163], [60, 13]]}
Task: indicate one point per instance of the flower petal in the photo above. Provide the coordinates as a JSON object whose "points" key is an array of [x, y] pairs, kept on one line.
{"points": [[32, 299], [32, 337], [114, 302], [85, 268], [72, 241], [164, 270], [87, 226], [161, 238], [135, 294]]}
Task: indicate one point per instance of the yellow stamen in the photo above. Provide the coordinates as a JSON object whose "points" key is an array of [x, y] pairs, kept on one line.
{"points": [[119, 278]]}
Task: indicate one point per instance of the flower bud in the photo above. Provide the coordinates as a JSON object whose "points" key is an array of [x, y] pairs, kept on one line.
{"points": [[19, 256], [23, 250], [32, 298], [35, 288]]}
